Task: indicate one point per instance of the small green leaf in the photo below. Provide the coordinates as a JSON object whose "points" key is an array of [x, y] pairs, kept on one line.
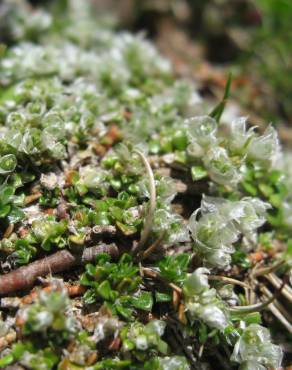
{"points": [[89, 296], [123, 311], [143, 302], [6, 360], [162, 297], [126, 229], [173, 268], [5, 194], [7, 164], [4, 210], [105, 291], [249, 188], [203, 333], [198, 173], [179, 140], [15, 215], [218, 110], [266, 189]]}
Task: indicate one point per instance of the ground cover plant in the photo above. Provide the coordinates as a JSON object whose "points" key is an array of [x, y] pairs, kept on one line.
{"points": [[139, 228]]}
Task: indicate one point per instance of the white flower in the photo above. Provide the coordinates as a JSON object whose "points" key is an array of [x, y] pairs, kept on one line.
{"points": [[197, 281], [202, 130], [254, 347], [239, 138], [221, 223], [202, 302], [266, 148], [220, 167]]}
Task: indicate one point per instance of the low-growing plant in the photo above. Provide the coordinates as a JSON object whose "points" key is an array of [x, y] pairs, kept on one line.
{"points": [[169, 219]]}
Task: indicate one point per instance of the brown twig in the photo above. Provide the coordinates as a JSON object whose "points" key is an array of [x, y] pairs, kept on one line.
{"points": [[276, 282], [8, 231], [152, 247], [31, 198], [7, 339], [24, 277], [152, 203], [155, 275]]}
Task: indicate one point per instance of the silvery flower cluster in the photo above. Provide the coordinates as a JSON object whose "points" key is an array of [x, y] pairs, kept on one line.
{"points": [[254, 350], [225, 157], [220, 225]]}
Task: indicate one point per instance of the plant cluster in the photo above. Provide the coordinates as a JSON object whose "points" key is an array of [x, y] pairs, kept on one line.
{"points": [[91, 120]]}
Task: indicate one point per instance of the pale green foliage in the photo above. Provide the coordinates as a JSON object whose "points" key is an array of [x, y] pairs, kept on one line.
{"points": [[62, 93]]}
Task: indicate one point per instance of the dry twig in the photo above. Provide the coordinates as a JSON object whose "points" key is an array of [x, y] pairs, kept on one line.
{"points": [[25, 277]]}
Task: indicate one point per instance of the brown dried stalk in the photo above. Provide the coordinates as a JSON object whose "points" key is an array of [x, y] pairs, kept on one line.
{"points": [[262, 305], [152, 247], [276, 282], [7, 339], [32, 197], [25, 277], [276, 310]]}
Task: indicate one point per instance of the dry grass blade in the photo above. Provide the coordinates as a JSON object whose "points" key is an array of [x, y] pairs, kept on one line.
{"points": [[274, 280], [258, 306], [276, 310], [152, 190]]}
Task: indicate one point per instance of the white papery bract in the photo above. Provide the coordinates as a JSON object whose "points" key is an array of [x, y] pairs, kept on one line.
{"points": [[265, 149], [220, 167], [254, 349], [202, 130], [220, 225], [170, 223], [238, 136], [202, 302]]}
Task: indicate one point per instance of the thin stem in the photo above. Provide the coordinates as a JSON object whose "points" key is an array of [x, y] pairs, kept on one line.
{"points": [[152, 202], [276, 282], [276, 311], [258, 306], [152, 247], [228, 280], [267, 270]]}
